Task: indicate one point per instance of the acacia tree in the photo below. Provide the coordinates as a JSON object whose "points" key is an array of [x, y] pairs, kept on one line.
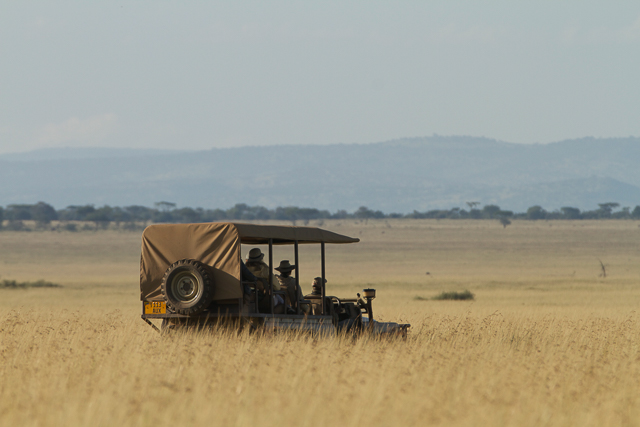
{"points": [[490, 211], [536, 212], [43, 214], [607, 208], [473, 212], [165, 206], [19, 212], [101, 217]]}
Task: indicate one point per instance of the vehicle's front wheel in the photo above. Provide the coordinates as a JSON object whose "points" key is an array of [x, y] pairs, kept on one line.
{"points": [[187, 287]]}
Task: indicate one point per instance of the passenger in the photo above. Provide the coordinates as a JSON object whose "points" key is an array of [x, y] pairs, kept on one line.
{"points": [[292, 292], [315, 296], [260, 269]]}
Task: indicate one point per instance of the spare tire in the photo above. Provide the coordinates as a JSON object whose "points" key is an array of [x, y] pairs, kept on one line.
{"points": [[187, 287]]}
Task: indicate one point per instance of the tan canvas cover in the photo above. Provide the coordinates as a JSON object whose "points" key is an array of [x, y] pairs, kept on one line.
{"points": [[216, 244], [260, 234]]}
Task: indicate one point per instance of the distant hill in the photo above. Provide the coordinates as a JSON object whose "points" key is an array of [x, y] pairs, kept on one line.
{"points": [[81, 153], [393, 176]]}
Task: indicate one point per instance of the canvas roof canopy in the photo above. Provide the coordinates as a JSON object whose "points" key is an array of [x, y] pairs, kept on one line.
{"points": [[216, 244], [282, 235]]}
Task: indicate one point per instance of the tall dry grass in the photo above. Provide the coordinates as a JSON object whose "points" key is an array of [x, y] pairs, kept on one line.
{"points": [[72, 369], [546, 341]]}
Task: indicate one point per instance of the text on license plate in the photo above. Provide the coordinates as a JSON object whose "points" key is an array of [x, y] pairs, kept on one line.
{"points": [[155, 307]]}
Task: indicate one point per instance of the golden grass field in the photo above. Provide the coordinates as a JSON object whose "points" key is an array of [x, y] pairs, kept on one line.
{"points": [[547, 341]]}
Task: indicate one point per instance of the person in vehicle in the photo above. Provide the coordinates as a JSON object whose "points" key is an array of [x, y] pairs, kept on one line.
{"points": [[292, 291], [260, 269], [315, 296]]}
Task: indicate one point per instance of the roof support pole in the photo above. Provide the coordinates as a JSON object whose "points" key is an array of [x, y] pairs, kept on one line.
{"points": [[271, 274], [322, 271], [295, 252]]}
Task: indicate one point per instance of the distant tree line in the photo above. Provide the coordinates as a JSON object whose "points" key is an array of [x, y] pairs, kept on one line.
{"points": [[165, 212]]}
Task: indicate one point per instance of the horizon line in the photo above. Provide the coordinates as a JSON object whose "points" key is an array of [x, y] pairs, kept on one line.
{"points": [[433, 136]]}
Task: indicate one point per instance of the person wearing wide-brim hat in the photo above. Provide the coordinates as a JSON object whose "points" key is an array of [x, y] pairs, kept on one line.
{"points": [[285, 267], [260, 269], [255, 255], [288, 284]]}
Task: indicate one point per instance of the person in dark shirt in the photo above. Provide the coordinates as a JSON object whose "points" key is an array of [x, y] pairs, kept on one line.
{"points": [[247, 276]]}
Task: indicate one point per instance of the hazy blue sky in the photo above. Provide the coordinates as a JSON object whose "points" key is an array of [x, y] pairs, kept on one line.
{"points": [[220, 74]]}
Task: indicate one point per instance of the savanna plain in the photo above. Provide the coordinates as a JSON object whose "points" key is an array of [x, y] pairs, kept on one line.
{"points": [[548, 340]]}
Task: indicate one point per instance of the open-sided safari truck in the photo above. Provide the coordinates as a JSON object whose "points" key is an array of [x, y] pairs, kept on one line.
{"points": [[191, 274]]}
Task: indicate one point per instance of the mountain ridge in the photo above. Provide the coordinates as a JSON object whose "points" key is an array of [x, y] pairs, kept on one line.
{"points": [[400, 175]]}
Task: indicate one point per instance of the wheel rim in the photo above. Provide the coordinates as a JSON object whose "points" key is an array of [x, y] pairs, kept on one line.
{"points": [[186, 286]]}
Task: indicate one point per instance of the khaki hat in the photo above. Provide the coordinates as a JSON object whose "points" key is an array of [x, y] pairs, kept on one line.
{"points": [[285, 266], [255, 254]]}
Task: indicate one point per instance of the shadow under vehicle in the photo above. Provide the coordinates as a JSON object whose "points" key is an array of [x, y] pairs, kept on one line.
{"points": [[191, 275]]}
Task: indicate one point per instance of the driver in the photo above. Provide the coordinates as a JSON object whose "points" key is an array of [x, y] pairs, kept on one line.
{"points": [[316, 296]]}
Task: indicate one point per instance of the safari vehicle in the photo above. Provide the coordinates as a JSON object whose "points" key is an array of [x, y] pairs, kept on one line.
{"points": [[191, 274]]}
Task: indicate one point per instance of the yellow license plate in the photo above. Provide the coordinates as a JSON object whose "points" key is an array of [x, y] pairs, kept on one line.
{"points": [[155, 307]]}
